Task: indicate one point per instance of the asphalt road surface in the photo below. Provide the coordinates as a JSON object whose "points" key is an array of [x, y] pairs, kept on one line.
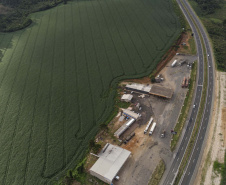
{"points": [[187, 175]]}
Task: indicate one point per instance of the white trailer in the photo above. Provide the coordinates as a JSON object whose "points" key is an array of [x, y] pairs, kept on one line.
{"points": [[148, 125], [152, 128], [174, 63]]}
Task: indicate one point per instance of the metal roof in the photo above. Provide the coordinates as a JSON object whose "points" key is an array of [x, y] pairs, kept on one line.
{"points": [[161, 91], [110, 161], [124, 127], [127, 97], [130, 113], [157, 90], [139, 87]]}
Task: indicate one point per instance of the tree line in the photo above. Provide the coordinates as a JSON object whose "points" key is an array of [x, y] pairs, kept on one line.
{"points": [[208, 6], [17, 18]]}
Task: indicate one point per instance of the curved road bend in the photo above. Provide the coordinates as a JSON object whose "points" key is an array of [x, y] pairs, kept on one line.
{"points": [[192, 118]]}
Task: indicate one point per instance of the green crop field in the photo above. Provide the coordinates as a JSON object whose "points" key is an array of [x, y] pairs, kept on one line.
{"points": [[58, 79]]}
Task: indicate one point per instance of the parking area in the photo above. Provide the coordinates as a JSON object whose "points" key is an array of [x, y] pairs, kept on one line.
{"points": [[148, 150]]}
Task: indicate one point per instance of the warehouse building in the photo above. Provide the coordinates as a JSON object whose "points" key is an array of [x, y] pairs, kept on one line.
{"points": [[156, 90], [111, 159], [127, 97], [124, 127]]}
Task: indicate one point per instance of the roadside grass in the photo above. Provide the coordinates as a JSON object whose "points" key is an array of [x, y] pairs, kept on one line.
{"points": [[218, 167], [157, 174], [223, 171], [185, 109], [205, 168], [191, 42]]}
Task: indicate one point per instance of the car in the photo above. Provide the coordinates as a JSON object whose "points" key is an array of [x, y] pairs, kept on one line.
{"points": [[209, 66], [193, 106], [163, 134], [208, 55]]}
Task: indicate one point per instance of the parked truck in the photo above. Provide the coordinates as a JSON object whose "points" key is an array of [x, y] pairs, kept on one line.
{"points": [[148, 125], [174, 63], [152, 128], [129, 137]]}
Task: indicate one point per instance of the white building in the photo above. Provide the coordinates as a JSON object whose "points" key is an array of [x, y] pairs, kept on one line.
{"points": [[127, 97], [111, 160]]}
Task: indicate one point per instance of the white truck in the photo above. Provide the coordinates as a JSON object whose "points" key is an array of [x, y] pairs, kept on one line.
{"points": [[148, 125], [152, 128], [174, 63]]}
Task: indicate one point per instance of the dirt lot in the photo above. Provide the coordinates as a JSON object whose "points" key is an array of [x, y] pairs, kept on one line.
{"points": [[146, 150]]}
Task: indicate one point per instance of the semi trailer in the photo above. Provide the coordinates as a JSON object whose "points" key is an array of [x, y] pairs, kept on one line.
{"points": [[148, 125], [152, 128]]}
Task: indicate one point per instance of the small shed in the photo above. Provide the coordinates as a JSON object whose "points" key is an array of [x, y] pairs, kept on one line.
{"points": [[127, 97]]}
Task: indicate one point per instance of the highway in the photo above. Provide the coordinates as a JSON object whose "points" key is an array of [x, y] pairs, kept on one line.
{"points": [[190, 168]]}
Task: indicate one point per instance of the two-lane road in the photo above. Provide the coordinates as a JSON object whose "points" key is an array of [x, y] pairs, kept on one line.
{"points": [[172, 172]]}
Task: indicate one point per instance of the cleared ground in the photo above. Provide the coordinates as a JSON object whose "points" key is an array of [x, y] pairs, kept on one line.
{"points": [[57, 79], [146, 150]]}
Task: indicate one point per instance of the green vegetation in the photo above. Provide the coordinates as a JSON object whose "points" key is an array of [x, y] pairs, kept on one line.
{"points": [[191, 42], [208, 7], [215, 22], [157, 174], [58, 79], [223, 171], [185, 109], [217, 167], [17, 16]]}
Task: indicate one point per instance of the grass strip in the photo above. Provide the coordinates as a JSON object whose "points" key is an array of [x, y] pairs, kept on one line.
{"points": [[192, 46], [157, 174], [185, 109]]}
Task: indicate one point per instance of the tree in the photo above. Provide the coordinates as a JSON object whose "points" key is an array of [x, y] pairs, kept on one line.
{"points": [[91, 144]]}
